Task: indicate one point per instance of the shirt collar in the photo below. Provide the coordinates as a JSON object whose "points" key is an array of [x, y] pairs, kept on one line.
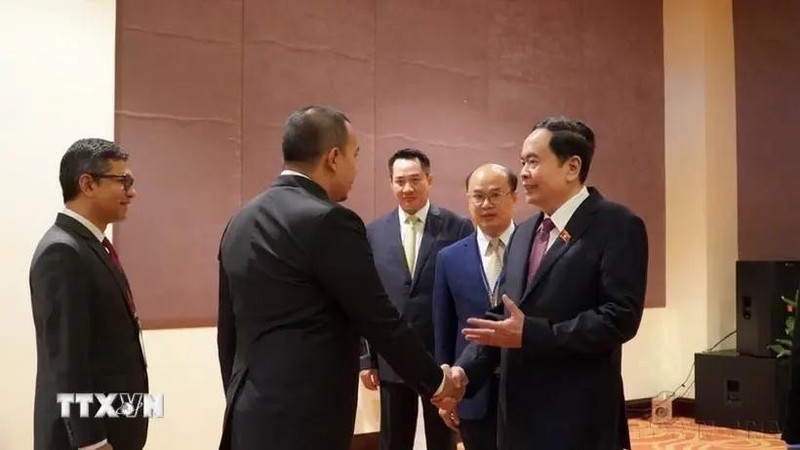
{"points": [[422, 214], [483, 239], [86, 223], [294, 172], [564, 212]]}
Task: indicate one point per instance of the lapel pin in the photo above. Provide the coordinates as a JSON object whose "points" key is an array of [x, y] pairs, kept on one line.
{"points": [[564, 235]]}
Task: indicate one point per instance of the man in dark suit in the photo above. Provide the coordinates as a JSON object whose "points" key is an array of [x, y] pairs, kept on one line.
{"points": [[405, 243], [87, 335], [577, 274], [466, 285], [298, 287]]}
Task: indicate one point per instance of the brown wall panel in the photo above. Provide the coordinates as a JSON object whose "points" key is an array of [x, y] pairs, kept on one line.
{"points": [[767, 39], [624, 102], [463, 80], [178, 112], [297, 53]]}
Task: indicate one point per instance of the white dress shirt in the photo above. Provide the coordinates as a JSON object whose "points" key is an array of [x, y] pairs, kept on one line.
{"points": [[422, 215], [293, 172], [483, 247], [564, 212], [85, 222]]}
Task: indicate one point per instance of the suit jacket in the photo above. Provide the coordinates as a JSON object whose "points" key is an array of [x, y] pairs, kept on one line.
{"points": [[562, 390], [297, 288], [412, 296], [459, 293], [87, 339]]}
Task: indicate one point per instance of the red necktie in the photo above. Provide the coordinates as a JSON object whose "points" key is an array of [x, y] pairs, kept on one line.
{"points": [[539, 247], [115, 259]]}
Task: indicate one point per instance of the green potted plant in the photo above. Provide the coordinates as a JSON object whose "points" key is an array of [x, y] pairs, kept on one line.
{"points": [[783, 346]]}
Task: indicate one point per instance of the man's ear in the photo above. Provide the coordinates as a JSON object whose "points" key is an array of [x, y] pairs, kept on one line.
{"points": [[574, 164], [86, 183], [332, 158]]}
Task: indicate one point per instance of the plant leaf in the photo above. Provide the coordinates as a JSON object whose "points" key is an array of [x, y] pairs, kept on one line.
{"points": [[777, 348]]}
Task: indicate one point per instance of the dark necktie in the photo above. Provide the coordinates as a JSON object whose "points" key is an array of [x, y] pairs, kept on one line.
{"points": [[115, 259], [539, 247]]}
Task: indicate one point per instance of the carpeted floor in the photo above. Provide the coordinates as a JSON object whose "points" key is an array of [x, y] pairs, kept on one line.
{"points": [[685, 434]]}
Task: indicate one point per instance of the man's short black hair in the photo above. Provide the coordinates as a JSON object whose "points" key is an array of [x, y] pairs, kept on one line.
{"points": [[311, 131], [570, 138], [411, 153], [86, 156]]}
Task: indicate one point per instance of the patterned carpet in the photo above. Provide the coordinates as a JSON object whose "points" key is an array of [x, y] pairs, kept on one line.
{"points": [[685, 434]]}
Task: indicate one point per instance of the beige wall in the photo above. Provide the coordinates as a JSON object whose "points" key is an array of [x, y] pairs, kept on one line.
{"points": [[57, 85], [700, 166]]}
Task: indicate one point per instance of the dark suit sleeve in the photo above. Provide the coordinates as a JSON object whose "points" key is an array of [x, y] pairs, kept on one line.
{"points": [[623, 279], [60, 282], [346, 269], [445, 321], [478, 362], [226, 329], [368, 358]]}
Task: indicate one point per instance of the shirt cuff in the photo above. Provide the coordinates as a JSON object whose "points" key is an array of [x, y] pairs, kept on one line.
{"points": [[441, 385], [95, 446]]}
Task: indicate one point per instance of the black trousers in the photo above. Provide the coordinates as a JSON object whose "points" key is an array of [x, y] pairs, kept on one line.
{"points": [[399, 420], [481, 434]]}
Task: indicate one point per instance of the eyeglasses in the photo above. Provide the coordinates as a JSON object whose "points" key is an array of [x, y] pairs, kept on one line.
{"points": [[478, 198], [126, 180]]}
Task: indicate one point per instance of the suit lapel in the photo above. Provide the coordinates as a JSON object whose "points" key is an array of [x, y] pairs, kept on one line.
{"points": [[576, 226], [550, 257], [76, 227], [432, 225], [521, 241], [474, 270], [119, 276]]}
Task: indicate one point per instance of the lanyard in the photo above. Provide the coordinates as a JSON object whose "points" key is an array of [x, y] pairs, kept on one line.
{"points": [[491, 292]]}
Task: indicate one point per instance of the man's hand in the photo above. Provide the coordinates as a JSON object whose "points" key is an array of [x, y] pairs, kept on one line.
{"points": [[505, 333], [455, 385], [450, 418], [370, 379]]}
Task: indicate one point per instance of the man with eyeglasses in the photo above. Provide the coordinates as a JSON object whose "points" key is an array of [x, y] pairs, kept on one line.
{"points": [[87, 334], [405, 243], [467, 285]]}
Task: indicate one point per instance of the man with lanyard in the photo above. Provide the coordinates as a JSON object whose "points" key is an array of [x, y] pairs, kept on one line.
{"points": [[467, 276]]}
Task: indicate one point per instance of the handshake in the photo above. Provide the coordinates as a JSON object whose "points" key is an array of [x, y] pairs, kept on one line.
{"points": [[455, 384], [452, 391]]}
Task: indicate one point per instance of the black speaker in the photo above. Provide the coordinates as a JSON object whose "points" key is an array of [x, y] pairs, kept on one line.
{"points": [[760, 312], [740, 391]]}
